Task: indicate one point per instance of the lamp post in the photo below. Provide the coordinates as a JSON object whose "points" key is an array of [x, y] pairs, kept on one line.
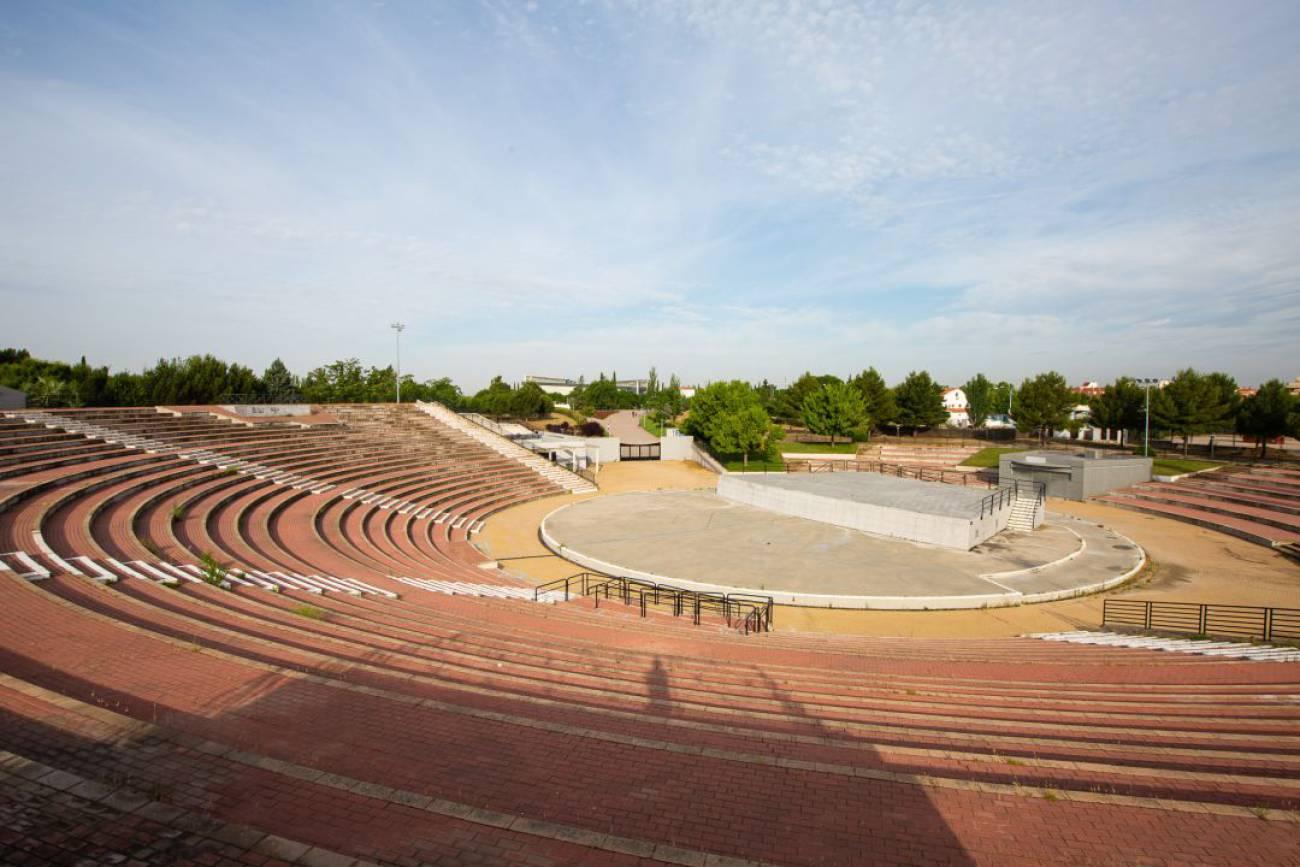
{"points": [[399, 327], [1147, 382]]}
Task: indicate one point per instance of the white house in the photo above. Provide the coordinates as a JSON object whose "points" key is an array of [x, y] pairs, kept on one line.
{"points": [[954, 400]]}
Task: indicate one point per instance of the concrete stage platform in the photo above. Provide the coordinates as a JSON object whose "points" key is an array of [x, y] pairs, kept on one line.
{"points": [[928, 512], [699, 540]]}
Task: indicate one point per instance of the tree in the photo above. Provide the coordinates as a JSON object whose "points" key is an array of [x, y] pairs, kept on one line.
{"points": [[1267, 414], [979, 399], [601, 394], [47, 391], [495, 400], [666, 403], [1121, 407], [444, 391], [920, 402], [339, 382], [529, 401], [729, 416], [877, 398], [1194, 403], [1043, 404], [834, 410], [1001, 399], [278, 384], [789, 401]]}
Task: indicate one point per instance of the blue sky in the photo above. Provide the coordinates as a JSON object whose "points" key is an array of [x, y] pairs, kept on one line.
{"points": [[719, 189]]}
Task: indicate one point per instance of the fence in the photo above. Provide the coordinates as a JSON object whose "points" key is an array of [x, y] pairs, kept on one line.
{"points": [[902, 471], [638, 452], [746, 611], [1265, 624]]}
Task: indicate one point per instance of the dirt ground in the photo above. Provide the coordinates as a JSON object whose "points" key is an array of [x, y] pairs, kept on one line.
{"points": [[1187, 563]]}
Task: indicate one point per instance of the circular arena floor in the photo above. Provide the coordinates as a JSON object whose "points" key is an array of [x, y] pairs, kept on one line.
{"points": [[698, 540]]}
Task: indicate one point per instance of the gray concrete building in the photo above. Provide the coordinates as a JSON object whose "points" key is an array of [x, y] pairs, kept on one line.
{"points": [[12, 398], [1075, 476]]}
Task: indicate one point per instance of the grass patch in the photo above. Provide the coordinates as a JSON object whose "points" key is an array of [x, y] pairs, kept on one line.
{"points": [[651, 425], [987, 458], [1177, 466], [818, 448], [736, 464], [214, 571], [178, 513], [311, 612]]}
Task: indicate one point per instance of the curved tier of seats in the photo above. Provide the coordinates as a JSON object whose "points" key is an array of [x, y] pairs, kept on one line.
{"points": [[330, 722], [612, 734], [254, 497], [1260, 503]]}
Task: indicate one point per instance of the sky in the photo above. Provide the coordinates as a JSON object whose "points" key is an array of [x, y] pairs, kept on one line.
{"points": [[717, 189]]}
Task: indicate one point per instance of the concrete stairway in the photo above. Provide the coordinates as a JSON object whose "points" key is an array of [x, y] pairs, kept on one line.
{"points": [[571, 482], [1024, 511]]}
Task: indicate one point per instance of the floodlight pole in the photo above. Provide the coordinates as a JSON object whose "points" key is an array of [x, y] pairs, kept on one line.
{"points": [[1146, 433], [399, 327], [1147, 382]]}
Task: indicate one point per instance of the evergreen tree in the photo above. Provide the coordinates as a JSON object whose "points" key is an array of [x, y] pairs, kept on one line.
{"points": [[920, 402], [835, 409], [1121, 407], [979, 399], [1267, 414], [1194, 403], [877, 398], [789, 401], [278, 384], [1043, 404]]}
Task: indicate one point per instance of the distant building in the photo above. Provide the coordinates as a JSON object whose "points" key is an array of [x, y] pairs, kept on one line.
{"points": [[553, 384], [954, 400], [563, 386], [1247, 391], [12, 398], [1294, 387], [1089, 389]]}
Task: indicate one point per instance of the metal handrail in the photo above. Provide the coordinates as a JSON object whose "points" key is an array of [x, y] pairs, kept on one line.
{"points": [[751, 612], [1197, 618]]}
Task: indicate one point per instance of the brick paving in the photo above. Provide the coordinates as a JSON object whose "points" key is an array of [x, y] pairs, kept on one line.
{"points": [[147, 725]]}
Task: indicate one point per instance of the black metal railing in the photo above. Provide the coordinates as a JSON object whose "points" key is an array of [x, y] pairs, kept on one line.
{"points": [[748, 612], [902, 471], [1193, 618]]}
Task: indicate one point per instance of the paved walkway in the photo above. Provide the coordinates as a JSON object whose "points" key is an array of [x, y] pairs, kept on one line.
{"points": [[626, 425]]}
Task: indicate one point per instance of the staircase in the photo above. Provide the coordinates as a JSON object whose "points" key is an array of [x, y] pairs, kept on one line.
{"points": [[570, 481], [1023, 514]]}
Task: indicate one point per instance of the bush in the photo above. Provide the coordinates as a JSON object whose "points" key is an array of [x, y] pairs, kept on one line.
{"points": [[860, 434], [592, 429]]}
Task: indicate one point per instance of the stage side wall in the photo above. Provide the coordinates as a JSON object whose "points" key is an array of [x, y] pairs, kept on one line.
{"points": [[948, 532]]}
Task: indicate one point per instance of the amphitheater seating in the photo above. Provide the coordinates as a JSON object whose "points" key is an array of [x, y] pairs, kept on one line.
{"points": [[916, 454], [171, 487], [1260, 504], [351, 712]]}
